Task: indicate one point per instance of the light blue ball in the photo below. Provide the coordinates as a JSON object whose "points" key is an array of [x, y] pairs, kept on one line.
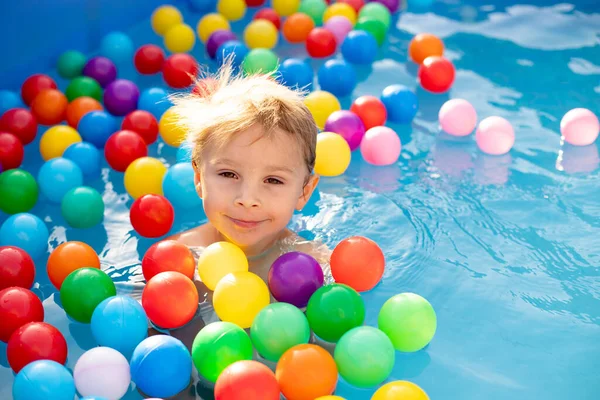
{"points": [[96, 127], [86, 156], [337, 77], [26, 231], [178, 186], [359, 47], [118, 47], [184, 153], [43, 380], [401, 103], [94, 398], [9, 100], [57, 176], [119, 322], [296, 73], [234, 49], [148, 366], [202, 6], [155, 101]]}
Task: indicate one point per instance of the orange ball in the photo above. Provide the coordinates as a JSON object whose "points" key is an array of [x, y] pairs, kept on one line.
{"points": [[297, 27], [424, 45], [68, 257], [79, 107], [357, 262], [49, 107], [305, 372]]}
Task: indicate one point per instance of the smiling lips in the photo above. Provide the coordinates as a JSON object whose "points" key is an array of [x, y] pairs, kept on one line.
{"points": [[246, 224]]}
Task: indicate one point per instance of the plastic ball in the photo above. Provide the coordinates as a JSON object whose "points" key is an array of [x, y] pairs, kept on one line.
{"points": [[170, 299], [381, 146], [82, 291], [148, 362], [296, 74], [178, 186], [359, 47], [232, 50], [333, 154], [260, 61], [216, 39], [333, 310], [149, 59], [277, 328], [11, 151], [57, 176], [337, 77], [26, 231], [184, 155], [239, 296], [342, 10], [79, 107], [400, 390], [340, 26], [16, 268], [436, 74], [294, 277], [102, 371], [21, 123], [285, 8], [408, 320], [121, 97], [18, 306], [18, 191], [82, 207], [247, 380], [320, 43], [86, 156], [377, 11], [124, 147], [348, 125], [144, 176], [179, 70], [314, 9], [102, 69], [70, 64], [401, 103], [84, 86], [358, 262], [457, 117], [165, 17], [49, 107], [96, 127], [270, 15], [218, 260], [233, 10], [495, 136], [297, 27], [210, 23], [68, 257], [170, 131], [580, 127], [180, 38], [205, 87], [143, 123], [306, 371], [168, 255], [391, 5], [56, 140], [44, 379], [9, 100], [155, 101], [357, 5], [255, 3], [373, 26], [117, 46], [35, 341], [321, 105], [151, 215], [260, 33], [34, 85], [424, 45]]}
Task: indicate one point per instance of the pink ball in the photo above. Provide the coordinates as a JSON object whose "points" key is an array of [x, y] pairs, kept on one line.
{"points": [[495, 136], [458, 117], [580, 127], [339, 26], [380, 146]]}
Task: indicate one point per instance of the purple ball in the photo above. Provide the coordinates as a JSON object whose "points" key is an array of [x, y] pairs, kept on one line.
{"points": [[101, 69], [216, 39], [121, 97], [348, 125], [294, 277], [392, 5]]}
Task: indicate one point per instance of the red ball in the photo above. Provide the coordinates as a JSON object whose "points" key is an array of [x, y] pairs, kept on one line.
{"points": [[16, 266], [152, 215], [35, 341], [21, 123], [18, 306], [124, 147], [34, 85], [143, 123], [370, 110], [270, 15], [168, 255], [255, 3], [11, 153], [356, 4], [247, 380], [170, 299], [357, 262], [179, 70], [436, 74], [320, 43], [149, 59]]}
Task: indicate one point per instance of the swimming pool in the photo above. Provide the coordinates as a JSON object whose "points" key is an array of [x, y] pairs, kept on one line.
{"points": [[504, 247]]}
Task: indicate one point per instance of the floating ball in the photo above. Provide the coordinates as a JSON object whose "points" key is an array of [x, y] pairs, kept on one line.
{"points": [[373, 26], [341, 10], [580, 127], [79, 107], [179, 70], [357, 5], [495, 136], [377, 11], [320, 43], [57, 176], [381, 146], [103, 372], [255, 3], [44, 379], [171, 132], [96, 127], [82, 207], [149, 59], [205, 87], [340, 26], [70, 64], [49, 107], [260, 33], [68, 257], [121, 97], [82, 291], [294, 277], [296, 74], [18, 191], [165, 17], [297, 27], [34, 85], [337, 77], [26, 231], [144, 176], [143, 123], [285, 8], [86, 156], [247, 380], [358, 262], [124, 147], [117, 46], [151, 215], [400, 390], [170, 299], [216, 39], [401, 103], [18, 306], [233, 10], [321, 105], [436, 74], [457, 117], [239, 296], [232, 50], [210, 23], [425, 45], [314, 9], [359, 47], [35, 341], [9, 100], [102, 69], [56, 140], [168, 255], [16, 268], [180, 38], [184, 155], [260, 61], [21, 123], [154, 100], [178, 186], [270, 15], [348, 125], [391, 5], [11, 151], [333, 154], [84, 86], [218, 260]]}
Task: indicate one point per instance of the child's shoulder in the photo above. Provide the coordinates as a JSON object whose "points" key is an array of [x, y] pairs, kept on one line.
{"points": [[201, 236]]}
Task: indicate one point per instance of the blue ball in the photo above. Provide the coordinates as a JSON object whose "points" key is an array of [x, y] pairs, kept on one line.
{"points": [[119, 322], [26, 231], [9, 100], [93, 398], [178, 186], [234, 49], [155, 101], [96, 127], [86, 156], [401, 103], [44, 380], [337, 77], [202, 6], [359, 47], [118, 47], [184, 153], [148, 366], [296, 73], [57, 176]]}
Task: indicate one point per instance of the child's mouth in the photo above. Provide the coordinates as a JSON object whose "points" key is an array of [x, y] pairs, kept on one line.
{"points": [[245, 223]]}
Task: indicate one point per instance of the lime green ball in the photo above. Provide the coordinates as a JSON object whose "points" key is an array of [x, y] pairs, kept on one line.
{"points": [[373, 26], [260, 61], [70, 64], [84, 86], [314, 9], [333, 310], [219, 345], [277, 328], [82, 290], [18, 191], [409, 321], [364, 356], [377, 11], [82, 207]]}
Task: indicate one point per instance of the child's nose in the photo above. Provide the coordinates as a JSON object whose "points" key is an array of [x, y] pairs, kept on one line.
{"points": [[248, 197]]}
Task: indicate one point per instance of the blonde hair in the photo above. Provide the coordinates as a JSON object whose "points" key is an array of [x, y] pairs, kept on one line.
{"points": [[224, 104]]}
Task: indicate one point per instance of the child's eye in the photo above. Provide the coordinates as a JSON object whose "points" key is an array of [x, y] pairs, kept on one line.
{"points": [[274, 181], [227, 174]]}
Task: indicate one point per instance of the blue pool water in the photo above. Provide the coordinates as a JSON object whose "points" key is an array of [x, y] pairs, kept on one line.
{"points": [[505, 248]]}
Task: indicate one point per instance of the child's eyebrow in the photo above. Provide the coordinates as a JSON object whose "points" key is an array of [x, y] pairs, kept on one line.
{"points": [[271, 168]]}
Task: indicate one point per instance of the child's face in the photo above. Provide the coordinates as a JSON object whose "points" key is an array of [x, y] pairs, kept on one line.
{"points": [[251, 186]]}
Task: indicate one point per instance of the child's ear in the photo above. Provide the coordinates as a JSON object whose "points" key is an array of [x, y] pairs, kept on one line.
{"points": [[197, 182], [307, 191]]}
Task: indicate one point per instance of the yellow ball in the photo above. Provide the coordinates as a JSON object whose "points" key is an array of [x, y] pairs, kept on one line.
{"points": [[400, 390], [210, 23], [180, 38], [164, 17], [260, 33], [218, 260], [233, 10], [55, 141], [321, 105], [170, 131], [333, 154], [239, 296], [285, 8], [144, 176], [341, 9]]}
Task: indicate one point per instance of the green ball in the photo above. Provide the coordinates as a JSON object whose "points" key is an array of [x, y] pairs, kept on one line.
{"points": [[82, 290], [364, 356], [70, 64], [377, 11], [373, 26], [18, 191], [82, 207], [219, 345], [409, 321], [333, 310], [314, 9], [277, 328], [260, 61], [84, 86]]}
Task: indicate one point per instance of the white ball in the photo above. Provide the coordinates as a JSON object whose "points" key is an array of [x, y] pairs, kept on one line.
{"points": [[102, 372]]}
